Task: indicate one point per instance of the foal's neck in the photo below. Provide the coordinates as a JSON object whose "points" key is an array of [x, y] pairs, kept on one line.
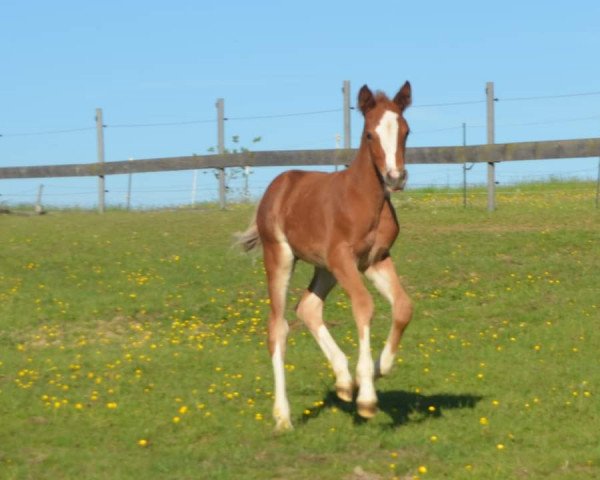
{"points": [[365, 175]]}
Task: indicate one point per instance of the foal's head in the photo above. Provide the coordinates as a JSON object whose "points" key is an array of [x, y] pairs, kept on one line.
{"points": [[385, 132]]}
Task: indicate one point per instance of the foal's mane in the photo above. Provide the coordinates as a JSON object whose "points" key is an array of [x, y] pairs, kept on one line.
{"points": [[381, 97]]}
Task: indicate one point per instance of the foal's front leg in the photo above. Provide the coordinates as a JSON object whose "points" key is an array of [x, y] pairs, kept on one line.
{"points": [[343, 266], [385, 279]]}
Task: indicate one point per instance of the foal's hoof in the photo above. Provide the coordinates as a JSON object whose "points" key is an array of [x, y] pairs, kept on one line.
{"points": [[367, 410], [381, 370], [283, 425], [344, 392]]}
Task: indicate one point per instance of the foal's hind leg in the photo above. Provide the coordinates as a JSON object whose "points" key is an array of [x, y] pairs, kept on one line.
{"points": [[279, 263], [310, 311], [384, 277]]}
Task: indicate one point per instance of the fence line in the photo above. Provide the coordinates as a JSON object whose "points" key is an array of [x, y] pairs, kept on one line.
{"points": [[490, 153]]}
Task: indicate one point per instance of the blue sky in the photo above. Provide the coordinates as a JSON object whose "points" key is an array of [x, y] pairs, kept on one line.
{"points": [[167, 62]]}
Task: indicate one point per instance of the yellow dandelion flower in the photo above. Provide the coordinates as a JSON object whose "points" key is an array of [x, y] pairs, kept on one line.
{"points": [[142, 442], [422, 469], [484, 421], [176, 419]]}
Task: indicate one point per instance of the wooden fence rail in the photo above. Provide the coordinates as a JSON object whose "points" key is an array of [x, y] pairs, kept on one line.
{"points": [[499, 152]]}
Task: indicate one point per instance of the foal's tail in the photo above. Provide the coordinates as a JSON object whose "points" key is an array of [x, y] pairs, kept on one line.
{"points": [[249, 239]]}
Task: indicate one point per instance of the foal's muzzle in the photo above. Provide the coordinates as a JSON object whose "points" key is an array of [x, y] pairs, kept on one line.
{"points": [[396, 179]]}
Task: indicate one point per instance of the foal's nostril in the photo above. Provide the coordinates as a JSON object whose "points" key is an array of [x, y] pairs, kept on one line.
{"points": [[396, 179]]}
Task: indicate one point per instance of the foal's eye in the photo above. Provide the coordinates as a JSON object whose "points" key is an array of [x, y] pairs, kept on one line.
{"points": [[369, 136]]}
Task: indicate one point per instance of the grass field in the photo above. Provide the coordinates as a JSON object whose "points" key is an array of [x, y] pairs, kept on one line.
{"points": [[132, 345]]}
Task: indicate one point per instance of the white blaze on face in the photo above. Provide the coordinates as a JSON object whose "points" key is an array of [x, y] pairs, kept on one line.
{"points": [[387, 130]]}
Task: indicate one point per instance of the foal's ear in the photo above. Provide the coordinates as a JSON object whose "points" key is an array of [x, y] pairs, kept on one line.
{"points": [[366, 101], [404, 96]]}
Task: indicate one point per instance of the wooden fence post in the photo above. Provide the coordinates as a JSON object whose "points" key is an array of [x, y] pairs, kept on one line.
{"points": [[491, 173], [598, 186], [347, 119], [129, 179], [100, 145], [221, 150], [39, 209]]}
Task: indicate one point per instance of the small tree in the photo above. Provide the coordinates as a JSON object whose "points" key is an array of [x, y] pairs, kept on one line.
{"points": [[235, 173]]}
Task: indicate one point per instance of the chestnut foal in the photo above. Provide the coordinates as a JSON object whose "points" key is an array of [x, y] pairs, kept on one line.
{"points": [[344, 224]]}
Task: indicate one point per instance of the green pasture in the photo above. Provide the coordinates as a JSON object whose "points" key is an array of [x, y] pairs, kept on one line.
{"points": [[132, 345]]}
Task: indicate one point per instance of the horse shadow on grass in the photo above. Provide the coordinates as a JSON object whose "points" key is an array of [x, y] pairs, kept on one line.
{"points": [[400, 406]]}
